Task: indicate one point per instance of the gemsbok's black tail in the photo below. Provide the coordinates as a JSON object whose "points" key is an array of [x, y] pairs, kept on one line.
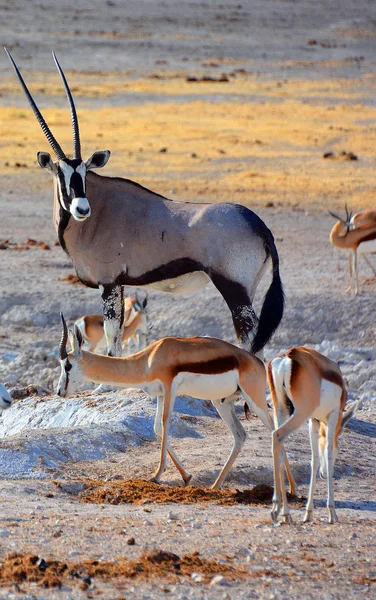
{"points": [[273, 305]]}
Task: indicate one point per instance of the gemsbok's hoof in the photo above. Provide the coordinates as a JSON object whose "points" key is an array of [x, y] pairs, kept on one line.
{"points": [[187, 480]]}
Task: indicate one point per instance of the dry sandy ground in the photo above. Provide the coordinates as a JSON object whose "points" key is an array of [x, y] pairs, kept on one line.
{"points": [[300, 83]]}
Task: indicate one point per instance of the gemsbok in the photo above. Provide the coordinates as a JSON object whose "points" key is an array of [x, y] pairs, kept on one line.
{"points": [[359, 240], [117, 233], [5, 398], [135, 326], [203, 367], [305, 385]]}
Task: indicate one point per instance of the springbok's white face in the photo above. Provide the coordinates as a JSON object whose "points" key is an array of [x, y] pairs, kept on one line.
{"points": [[71, 376], [71, 180], [5, 399]]}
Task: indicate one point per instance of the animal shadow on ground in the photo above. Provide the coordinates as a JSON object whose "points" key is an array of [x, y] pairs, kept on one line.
{"points": [[362, 427]]}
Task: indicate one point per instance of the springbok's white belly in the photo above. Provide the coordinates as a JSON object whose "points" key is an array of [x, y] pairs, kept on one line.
{"points": [[207, 387], [330, 399], [190, 282], [366, 247]]}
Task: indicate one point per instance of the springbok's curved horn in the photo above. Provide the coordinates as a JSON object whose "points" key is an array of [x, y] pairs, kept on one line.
{"points": [[349, 214], [332, 214], [64, 338], [46, 130], [76, 131]]}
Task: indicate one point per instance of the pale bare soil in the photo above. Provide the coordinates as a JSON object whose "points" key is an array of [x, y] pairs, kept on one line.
{"points": [[258, 138]]}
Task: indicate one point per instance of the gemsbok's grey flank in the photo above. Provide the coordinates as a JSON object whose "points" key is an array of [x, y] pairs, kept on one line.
{"points": [[124, 234]]}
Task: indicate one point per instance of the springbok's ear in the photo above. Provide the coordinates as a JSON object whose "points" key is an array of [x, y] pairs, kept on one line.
{"points": [[76, 341], [349, 414], [45, 161], [98, 160]]}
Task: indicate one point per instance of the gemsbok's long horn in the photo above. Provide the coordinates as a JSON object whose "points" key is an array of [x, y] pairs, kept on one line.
{"points": [[46, 130], [76, 131], [64, 338]]}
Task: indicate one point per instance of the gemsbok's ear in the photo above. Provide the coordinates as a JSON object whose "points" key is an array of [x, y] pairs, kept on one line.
{"points": [[98, 160], [45, 161]]}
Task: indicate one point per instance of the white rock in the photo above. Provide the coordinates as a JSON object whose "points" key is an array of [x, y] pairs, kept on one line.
{"points": [[219, 580], [197, 577]]}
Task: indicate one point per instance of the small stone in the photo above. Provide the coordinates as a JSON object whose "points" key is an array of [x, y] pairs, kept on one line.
{"points": [[353, 536], [42, 565], [131, 541], [196, 526], [172, 516], [219, 580], [74, 553], [197, 577], [147, 510], [147, 523], [4, 533]]}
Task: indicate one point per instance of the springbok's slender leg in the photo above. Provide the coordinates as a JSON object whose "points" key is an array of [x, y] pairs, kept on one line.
{"points": [[113, 317], [158, 432], [350, 272], [279, 435], [167, 408], [314, 427], [369, 264], [225, 409], [355, 269], [331, 424]]}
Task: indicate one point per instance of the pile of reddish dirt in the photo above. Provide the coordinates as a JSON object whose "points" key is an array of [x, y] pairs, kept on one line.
{"points": [[137, 491], [7, 245], [19, 568]]}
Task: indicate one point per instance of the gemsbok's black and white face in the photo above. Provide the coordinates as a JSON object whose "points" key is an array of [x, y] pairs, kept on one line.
{"points": [[71, 180], [70, 173]]}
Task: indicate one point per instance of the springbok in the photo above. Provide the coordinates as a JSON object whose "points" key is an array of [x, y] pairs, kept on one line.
{"points": [[360, 240], [305, 385], [124, 234], [135, 326], [204, 367], [5, 398], [363, 219]]}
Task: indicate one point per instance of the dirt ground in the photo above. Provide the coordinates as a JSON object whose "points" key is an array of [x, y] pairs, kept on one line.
{"points": [[203, 101]]}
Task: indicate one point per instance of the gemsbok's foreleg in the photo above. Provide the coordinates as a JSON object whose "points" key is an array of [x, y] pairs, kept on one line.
{"points": [[314, 428], [113, 317], [186, 476], [167, 408], [225, 408]]}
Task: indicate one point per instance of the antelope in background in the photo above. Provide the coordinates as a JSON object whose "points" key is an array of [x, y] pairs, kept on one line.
{"points": [[305, 385], [357, 239], [135, 326], [118, 233], [203, 367]]}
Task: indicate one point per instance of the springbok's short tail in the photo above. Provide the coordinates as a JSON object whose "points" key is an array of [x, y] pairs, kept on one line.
{"points": [[273, 305]]}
